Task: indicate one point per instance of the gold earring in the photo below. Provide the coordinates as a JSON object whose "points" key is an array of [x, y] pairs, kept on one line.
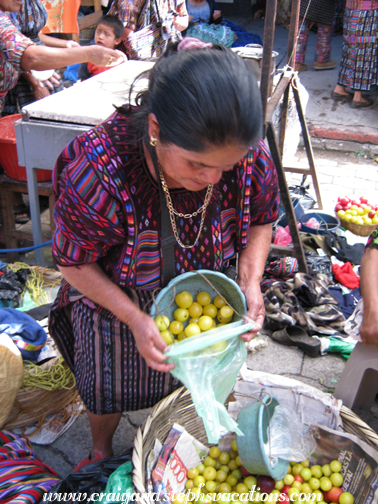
{"points": [[153, 142]]}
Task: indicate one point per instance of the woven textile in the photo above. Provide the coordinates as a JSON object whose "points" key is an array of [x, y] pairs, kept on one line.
{"points": [[24, 478], [30, 21], [358, 65], [319, 11], [12, 47]]}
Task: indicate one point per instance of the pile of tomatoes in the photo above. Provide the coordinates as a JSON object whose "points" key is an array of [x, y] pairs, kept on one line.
{"points": [[193, 317], [222, 478]]}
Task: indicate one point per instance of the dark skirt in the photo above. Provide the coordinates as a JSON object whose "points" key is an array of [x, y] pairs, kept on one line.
{"points": [[358, 65], [318, 11], [111, 376]]}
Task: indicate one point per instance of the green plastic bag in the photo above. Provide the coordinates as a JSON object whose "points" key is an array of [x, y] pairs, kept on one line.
{"points": [[120, 485], [208, 366]]}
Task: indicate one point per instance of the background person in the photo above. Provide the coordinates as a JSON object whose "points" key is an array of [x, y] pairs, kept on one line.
{"points": [[322, 14], [108, 34], [137, 14], [203, 11], [19, 53], [30, 20], [108, 223], [369, 291], [359, 58]]}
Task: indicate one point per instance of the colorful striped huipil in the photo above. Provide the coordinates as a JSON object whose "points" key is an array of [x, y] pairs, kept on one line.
{"points": [[108, 211]]}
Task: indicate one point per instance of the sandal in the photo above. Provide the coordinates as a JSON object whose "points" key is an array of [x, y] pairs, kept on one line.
{"points": [[360, 105], [341, 97], [88, 460], [21, 213], [297, 336]]}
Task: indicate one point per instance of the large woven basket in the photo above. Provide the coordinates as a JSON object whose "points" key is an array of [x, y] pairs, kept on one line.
{"points": [[178, 407], [34, 404], [357, 229]]}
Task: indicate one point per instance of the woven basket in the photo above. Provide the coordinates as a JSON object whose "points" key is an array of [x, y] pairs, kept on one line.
{"points": [[34, 404], [357, 229], [178, 407]]}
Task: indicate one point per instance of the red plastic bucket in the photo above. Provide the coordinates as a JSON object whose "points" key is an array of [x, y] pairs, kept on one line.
{"points": [[8, 152]]}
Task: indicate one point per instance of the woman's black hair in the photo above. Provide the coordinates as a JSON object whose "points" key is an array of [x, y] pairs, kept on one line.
{"points": [[201, 97]]}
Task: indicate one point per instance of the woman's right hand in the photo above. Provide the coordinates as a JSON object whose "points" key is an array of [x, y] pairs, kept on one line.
{"points": [[102, 56], [149, 342], [40, 91]]}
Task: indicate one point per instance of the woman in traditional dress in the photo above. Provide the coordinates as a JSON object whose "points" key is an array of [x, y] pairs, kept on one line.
{"points": [[138, 14], [322, 14], [30, 20], [198, 119], [359, 59]]}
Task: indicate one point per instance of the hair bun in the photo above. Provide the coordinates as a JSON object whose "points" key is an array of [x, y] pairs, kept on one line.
{"points": [[190, 43]]}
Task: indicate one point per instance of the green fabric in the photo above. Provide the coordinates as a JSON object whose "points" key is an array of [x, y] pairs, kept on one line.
{"points": [[216, 34], [344, 348]]}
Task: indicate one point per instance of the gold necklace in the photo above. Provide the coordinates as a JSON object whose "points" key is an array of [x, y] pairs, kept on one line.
{"points": [[173, 212]]}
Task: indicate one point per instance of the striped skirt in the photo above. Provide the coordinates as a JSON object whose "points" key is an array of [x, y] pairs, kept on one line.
{"points": [[111, 376], [358, 65]]}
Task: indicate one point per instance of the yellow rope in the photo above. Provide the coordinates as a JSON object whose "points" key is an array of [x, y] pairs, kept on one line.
{"points": [[56, 377], [34, 283]]}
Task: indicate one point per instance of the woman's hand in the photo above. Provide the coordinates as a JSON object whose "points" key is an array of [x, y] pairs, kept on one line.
{"points": [[217, 14], [54, 79], [149, 342], [251, 268], [102, 56], [180, 22], [256, 308], [40, 91], [369, 327]]}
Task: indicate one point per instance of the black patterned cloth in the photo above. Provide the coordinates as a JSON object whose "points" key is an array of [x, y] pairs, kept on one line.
{"points": [[318, 11]]}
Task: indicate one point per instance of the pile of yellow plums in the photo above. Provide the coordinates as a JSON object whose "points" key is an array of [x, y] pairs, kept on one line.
{"points": [[222, 478], [193, 317]]}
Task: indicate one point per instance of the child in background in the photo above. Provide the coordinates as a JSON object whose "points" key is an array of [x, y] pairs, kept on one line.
{"points": [[108, 34]]}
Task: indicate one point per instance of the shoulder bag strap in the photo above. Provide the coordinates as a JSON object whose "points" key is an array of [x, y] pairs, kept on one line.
{"points": [[167, 239]]}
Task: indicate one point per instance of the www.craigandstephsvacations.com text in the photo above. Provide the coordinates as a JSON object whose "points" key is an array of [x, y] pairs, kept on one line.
{"points": [[253, 496]]}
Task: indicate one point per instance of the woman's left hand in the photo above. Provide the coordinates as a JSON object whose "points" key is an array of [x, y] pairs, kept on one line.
{"points": [[256, 309]]}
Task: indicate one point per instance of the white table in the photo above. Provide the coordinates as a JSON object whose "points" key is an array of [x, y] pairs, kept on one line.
{"points": [[48, 125]]}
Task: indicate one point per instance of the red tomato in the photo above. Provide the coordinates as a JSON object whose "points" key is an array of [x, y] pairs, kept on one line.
{"points": [[325, 496], [284, 499], [339, 207], [298, 477], [363, 200], [355, 202], [344, 201], [334, 494], [371, 214], [285, 489], [244, 471]]}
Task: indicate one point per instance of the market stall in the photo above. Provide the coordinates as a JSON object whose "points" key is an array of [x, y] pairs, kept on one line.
{"points": [[48, 125]]}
